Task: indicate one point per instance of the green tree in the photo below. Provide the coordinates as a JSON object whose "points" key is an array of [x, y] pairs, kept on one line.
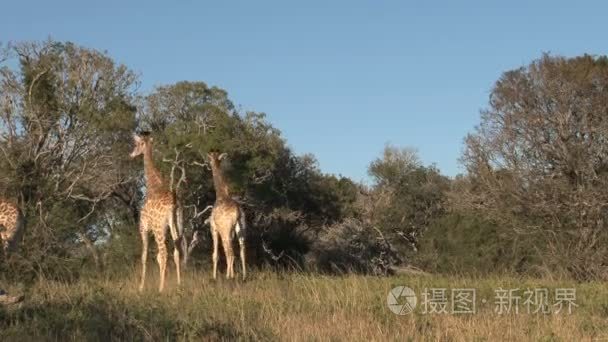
{"points": [[286, 197], [66, 115], [405, 197]]}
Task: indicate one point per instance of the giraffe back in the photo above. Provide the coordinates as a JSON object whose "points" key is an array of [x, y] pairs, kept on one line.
{"points": [[225, 216], [158, 209]]}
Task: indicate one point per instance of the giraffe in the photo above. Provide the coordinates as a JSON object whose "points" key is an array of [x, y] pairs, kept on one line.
{"points": [[12, 224], [160, 211], [227, 220]]}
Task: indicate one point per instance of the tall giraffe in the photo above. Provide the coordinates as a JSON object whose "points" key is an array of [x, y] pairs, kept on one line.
{"points": [[12, 224], [160, 211], [227, 220]]}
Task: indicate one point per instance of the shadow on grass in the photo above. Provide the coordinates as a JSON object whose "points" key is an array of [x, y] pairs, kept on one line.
{"points": [[104, 319]]}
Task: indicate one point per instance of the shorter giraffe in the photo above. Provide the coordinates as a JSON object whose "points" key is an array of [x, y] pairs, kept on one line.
{"points": [[12, 224], [227, 220], [159, 214]]}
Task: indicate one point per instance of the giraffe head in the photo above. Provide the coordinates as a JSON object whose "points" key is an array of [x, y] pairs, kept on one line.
{"points": [[216, 157], [221, 187], [143, 142]]}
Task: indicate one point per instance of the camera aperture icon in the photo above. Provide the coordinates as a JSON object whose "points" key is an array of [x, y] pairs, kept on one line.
{"points": [[401, 300]]}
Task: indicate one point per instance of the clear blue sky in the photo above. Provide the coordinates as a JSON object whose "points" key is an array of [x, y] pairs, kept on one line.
{"points": [[338, 78]]}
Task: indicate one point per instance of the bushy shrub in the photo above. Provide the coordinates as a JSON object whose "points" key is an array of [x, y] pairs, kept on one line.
{"points": [[352, 246]]}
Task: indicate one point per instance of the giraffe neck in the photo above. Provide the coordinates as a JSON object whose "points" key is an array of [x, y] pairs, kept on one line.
{"points": [[154, 181], [221, 188]]}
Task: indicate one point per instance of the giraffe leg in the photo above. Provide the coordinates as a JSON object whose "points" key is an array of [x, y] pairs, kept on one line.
{"points": [[229, 253], [176, 249], [240, 234], [243, 263], [4, 241], [161, 258], [162, 266], [177, 265], [144, 255], [215, 237]]}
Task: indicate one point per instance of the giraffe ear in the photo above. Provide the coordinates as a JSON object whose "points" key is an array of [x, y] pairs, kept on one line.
{"points": [[136, 137], [222, 156]]}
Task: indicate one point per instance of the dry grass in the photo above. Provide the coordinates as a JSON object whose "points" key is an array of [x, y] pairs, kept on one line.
{"points": [[273, 306]]}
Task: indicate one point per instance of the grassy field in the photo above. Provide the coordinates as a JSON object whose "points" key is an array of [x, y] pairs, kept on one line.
{"points": [[291, 306]]}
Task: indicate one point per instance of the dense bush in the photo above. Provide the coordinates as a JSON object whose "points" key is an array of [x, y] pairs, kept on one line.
{"points": [[352, 246], [538, 162], [65, 122]]}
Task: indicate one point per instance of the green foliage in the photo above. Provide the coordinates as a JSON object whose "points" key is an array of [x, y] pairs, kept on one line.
{"points": [[459, 243], [406, 197], [283, 194], [67, 114], [67, 117]]}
